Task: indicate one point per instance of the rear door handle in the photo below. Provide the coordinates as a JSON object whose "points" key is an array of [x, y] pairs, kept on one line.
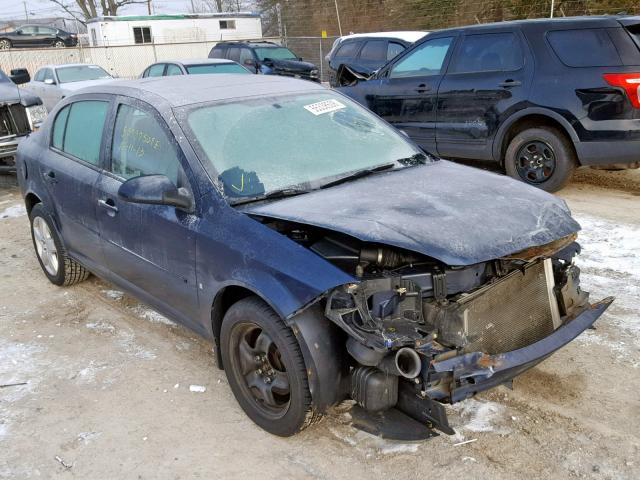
{"points": [[50, 176], [510, 83], [109, 205], [422, 88]]}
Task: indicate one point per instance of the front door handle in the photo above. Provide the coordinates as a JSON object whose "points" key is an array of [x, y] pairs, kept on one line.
{"points": [[422, 88], [510, 83], [109, 205]]}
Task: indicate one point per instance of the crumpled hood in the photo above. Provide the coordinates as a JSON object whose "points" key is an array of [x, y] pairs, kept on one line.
{"points": [[292, 65], [456, 214], [9, 93]]}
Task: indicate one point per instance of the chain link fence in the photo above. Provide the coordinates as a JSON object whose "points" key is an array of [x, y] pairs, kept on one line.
{"points": [[129, 61]]}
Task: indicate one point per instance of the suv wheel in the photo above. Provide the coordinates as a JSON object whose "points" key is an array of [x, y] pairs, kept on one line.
{"points": [[5, 44], [265, 368], [58, 44], [56, 265], [542, 157]]}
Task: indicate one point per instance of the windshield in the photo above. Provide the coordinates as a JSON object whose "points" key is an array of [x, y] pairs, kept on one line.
{"points": [[80, 73], [216, 68], [261, 145], [275, 53]]}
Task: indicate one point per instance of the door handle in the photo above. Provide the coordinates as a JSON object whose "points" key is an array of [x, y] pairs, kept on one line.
{"points": [[109, 205], [50, 176], [422, 88], [510, 83]]}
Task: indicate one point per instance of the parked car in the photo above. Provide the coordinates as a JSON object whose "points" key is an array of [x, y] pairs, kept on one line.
{"points": [[327, 257], [364, 53], [267, 58], [20, 114], [33, 36], [193, 67], [52, 83], [539, 97]]}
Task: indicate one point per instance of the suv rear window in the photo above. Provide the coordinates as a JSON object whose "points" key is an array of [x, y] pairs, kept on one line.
{"points": [[584, 48]]}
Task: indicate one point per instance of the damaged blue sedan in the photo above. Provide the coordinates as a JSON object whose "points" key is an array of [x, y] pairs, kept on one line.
{"points": [[324, 253]]}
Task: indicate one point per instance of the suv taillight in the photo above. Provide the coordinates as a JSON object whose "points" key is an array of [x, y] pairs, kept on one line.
{"points": [[629, 81]]}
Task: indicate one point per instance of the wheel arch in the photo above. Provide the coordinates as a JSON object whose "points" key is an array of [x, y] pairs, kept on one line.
{"points": [[528, 118], [30, 201]]}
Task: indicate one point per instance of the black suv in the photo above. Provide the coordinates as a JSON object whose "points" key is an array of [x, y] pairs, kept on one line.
{"points": [[266, 57], [29, 36], [539, 96]]}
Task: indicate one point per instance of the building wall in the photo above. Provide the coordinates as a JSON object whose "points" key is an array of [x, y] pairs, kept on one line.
{"points": [[176, 30]]}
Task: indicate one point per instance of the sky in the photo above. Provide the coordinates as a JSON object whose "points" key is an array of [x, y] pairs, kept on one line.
{"points": [[14, 9]]}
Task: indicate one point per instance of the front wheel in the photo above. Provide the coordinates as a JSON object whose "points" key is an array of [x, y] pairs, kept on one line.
{"points": [[5, 44], [542, 157], [58, 267], [265, 368]]}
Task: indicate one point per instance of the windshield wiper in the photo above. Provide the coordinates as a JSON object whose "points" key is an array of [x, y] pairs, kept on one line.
{"points": [[358, 174], [279, 193]]}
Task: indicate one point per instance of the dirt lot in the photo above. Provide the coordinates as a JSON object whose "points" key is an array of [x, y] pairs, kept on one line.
{"points": [[107, 391]]}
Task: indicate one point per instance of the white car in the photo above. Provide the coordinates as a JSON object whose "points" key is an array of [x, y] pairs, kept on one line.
{"points": [[409, 36], [54, 82]]}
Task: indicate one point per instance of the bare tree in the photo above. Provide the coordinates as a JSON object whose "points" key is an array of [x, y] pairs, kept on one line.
{"points": [[83, 10]]}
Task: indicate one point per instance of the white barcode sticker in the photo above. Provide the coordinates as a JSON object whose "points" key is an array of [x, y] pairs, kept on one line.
{"points": [[325, 106]]}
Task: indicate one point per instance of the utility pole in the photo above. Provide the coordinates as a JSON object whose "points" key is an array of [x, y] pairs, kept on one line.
{"points": [[553, 4], [149, 6], [338, 15], [26, 15]]}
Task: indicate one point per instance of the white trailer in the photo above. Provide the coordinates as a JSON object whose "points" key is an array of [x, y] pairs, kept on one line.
{"points": [[143, 29]]}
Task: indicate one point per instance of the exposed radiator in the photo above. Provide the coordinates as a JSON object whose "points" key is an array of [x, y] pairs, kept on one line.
{"points": [[514, 312]]}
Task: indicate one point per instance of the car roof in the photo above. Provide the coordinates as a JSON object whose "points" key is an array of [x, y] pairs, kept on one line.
{"points": [[197, 61], [566, 22], [62, 65], [250, 43], [407, 36], [181, 90]]}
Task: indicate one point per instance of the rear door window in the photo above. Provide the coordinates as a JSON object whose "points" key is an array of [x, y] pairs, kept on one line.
{"points": [[78, 129], [425, 60], [374, 50], [584, 48], [233, 53], [155, 70], [348, 50], [173, 69], [489, 52]]}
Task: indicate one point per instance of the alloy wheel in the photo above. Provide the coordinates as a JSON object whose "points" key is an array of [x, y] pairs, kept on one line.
{"points": [[259, 369], [45, 246], [5, 45], [535, 162]]}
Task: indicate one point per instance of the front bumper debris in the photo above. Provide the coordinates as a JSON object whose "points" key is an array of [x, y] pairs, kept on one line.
{"points": [[475, 372]]}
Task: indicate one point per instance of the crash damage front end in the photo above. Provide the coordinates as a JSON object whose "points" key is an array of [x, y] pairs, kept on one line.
{"points": [[434, 334]]}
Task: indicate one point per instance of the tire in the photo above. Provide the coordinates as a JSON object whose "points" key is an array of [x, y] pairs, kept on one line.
{"points": [[58, 44], [5, 44], [542, 157], [64, 271], [251, 327]]}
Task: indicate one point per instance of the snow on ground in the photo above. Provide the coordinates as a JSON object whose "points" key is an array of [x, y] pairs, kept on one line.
{"points": [[610, 265], [13, 211]]}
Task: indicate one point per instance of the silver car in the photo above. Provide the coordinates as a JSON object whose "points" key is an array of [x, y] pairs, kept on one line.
{"points": [[54, 82]]}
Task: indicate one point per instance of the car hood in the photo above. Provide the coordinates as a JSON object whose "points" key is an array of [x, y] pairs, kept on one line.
{"points": [[456, 214], [9, 93], [292, 65], [75, 86]]}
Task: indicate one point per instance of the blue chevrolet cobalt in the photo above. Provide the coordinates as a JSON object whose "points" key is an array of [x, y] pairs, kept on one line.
{"points": [[325, 254]]}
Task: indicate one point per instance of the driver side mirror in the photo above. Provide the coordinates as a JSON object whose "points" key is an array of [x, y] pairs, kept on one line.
{"points": [[20, 76], [49, 81], [156, 190]]}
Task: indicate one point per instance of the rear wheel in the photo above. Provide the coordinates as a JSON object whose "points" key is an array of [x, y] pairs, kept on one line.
{"points": [[5, 44], [58, 267], [265, 368], [58, 44], [542, 157]]}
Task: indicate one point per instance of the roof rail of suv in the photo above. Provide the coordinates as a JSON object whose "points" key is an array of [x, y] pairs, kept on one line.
{"points": [[247, 41]]}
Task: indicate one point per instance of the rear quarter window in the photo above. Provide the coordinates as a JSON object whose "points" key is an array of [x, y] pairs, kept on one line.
{"points": [[634, 31], [584, 48]]}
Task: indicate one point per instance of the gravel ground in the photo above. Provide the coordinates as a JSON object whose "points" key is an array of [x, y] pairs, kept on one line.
{"points": [[112, 388]]}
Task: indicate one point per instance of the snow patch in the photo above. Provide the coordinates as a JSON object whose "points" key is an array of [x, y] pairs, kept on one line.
{"points": [[13, 212], [126, 340], [371, 444], [114, 294], [478, 416], [152, 316], [197, 388]]}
